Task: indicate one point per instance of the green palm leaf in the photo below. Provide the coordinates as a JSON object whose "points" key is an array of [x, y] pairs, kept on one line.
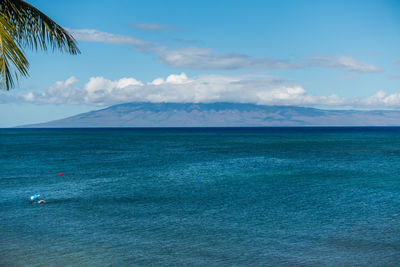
{"points": [[10, 52], [22, 25]]}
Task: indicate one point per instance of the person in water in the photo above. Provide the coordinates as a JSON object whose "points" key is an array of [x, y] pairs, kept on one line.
{"points": [[36, 199]]}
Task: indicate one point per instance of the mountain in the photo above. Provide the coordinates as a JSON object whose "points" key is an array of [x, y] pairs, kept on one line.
{"points": [[221, 114]]}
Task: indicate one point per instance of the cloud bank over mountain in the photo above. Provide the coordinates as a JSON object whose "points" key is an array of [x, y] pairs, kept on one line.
{"points": [[179, 88]]}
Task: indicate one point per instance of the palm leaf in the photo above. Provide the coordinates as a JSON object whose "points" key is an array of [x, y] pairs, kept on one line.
{"points": [[34, 29], [23, 25], [10, 52]]}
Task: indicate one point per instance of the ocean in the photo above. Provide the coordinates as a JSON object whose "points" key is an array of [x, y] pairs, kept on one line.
{"points": [[200, 197]]}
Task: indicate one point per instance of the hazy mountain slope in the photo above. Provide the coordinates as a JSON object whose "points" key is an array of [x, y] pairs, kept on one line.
{"points": [[222, 114]]}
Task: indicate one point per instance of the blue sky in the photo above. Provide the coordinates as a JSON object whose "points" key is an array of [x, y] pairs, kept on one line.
{"points": [[325, 54]]}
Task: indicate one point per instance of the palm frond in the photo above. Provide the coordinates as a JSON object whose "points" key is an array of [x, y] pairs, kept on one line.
{"points": [[23, 25], [10, 52], [36, 30]]}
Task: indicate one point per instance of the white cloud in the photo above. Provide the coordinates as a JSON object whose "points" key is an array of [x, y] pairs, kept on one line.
{"points": [[171, 79], [202, 89], [206, 59], [91, 35], [57, 93], [394, 76], [381, 98], [154, 27], [157, 81], [342, 62]]}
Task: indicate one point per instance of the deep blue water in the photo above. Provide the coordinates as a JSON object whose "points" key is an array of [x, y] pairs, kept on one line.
{"points": [[202, 197]]}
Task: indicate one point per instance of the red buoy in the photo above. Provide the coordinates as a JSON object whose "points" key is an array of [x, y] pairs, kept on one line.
{"points": [[60, 173]]}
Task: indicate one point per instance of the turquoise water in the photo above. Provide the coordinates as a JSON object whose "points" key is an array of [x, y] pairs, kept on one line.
{"points": [[202, 197]]}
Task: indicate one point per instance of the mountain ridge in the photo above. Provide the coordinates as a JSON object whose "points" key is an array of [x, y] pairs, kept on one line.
{"points": [[220, 114]]}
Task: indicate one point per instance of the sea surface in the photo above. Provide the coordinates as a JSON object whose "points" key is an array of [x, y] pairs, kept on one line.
{"points": [[200, 197]]}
